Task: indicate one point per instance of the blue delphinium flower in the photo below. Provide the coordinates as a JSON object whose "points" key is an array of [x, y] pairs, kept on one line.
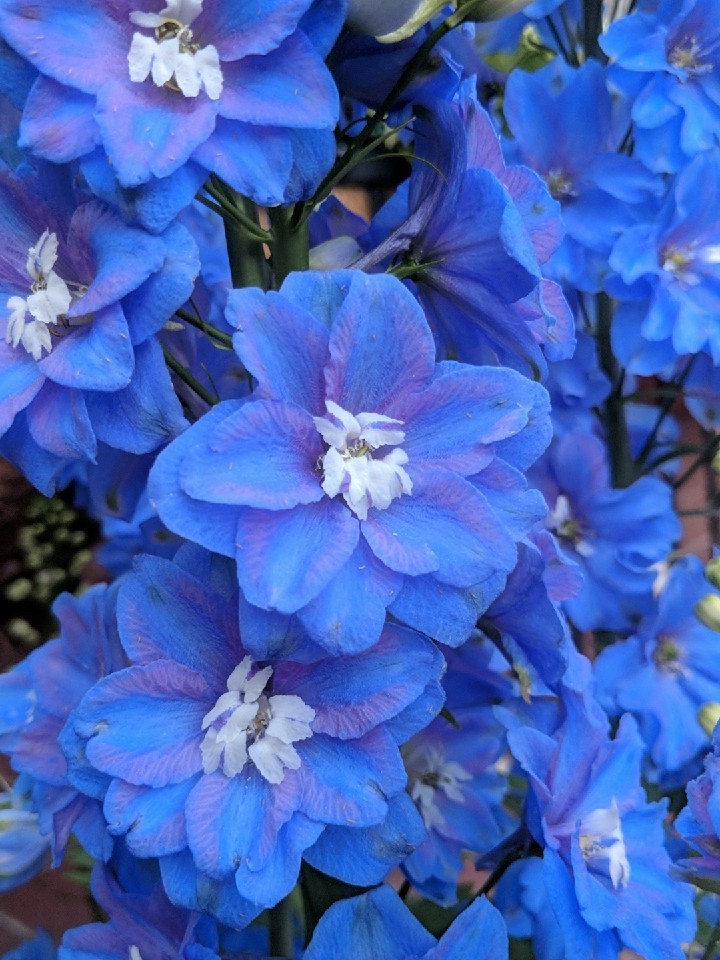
{"points": [[248, 761], [599, 188], [672, 264], [359, 470], [669, 56], [699, 822], [614, 535], [142, 923], [525, 621], [24, 850], [666, 671], [605, 868], [459, 793], [82, 297], [215, 83], [57, 675], [472, 235], [378, 924]]}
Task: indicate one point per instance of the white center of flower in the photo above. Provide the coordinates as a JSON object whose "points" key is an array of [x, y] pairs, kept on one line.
{"points": [[350, 466], [246, 724], [601, 839], [561, 521], [173, 58], [134, 953], [428, 772], [50, 297]]}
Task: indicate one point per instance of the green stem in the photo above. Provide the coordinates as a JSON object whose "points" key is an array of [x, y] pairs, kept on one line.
{"points": [[616, 430], [281, 929], [189, 379], [224, 338], [248, 267], [291, 245]]}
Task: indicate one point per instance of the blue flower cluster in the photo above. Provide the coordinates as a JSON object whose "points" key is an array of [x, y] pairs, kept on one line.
{"points": [[399, 623]]}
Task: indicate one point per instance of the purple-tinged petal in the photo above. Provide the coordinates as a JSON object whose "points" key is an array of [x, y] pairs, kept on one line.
{"points": [[94, 356], [241, 29], [251, 812], [144, 724], [348, 783], [20, 381], [444, 527], [282, 345], [352, 695], [59, 423], [453, 422], [287, 87], [149, 131], [263, 456], [114, 257], [279, 871], [165, 613], [62, 38], [348, 615], [210, 524], [285, 558], [380, 346], [152, 819], [58, 123]]}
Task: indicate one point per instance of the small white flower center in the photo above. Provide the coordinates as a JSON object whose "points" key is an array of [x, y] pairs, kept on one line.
{"points": [[561, 521], [134, 953], [172, 57], [350, 466], [602, 842], [247, 725], [31, 317], [429, 772]]}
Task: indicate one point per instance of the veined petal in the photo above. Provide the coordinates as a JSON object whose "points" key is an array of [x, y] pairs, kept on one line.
{"points": [[263, 456], [445, 527], [285, 558]]}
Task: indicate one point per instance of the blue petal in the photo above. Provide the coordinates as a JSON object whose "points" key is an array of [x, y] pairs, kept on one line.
{"points": [[263, 455], [443, 527], [365, 856], [149, 131], [282, 345], [58, 123], [380, 346], [348, 615], [212, 525], [285, 558], [144, 724]]}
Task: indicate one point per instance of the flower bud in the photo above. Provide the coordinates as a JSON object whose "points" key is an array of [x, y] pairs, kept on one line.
{"points": [[707, 610], [712, 572], [708, 716]]}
